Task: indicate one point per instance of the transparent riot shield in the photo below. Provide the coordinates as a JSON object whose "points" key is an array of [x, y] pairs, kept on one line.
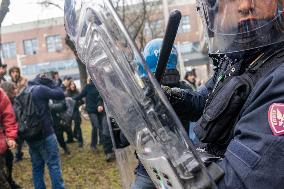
{"points": [[135, 100]]}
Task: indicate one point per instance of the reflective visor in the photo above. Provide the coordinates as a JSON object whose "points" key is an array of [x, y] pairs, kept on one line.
{"points": [[237, 25]]}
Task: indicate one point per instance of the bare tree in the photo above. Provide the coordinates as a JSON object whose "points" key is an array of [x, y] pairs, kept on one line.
{"points": [[133, 15], [137, 18], [47, 3], [136, 15]]}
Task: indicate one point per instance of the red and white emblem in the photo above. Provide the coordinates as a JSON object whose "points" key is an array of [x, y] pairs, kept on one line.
{"points": [[276, 118]]}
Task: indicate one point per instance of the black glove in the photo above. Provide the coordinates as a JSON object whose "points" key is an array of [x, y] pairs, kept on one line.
{"points": [[176, 96], [187, 104]]}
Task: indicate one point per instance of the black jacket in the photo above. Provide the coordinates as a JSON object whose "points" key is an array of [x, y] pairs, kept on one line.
{"points": [[93, 98]]}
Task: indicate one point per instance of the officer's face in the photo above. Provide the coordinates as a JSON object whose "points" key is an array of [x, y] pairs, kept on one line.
{"points": [[243, 14]]}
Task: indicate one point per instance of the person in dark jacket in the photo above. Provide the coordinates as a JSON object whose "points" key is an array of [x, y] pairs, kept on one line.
{"points": [[45, 151], [95, 109], [72, 91], [56, 78]]}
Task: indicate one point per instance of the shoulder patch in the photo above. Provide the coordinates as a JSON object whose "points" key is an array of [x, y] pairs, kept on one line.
{"points": [[276, 118]]}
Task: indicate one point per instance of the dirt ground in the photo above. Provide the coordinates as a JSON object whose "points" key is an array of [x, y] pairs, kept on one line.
{"points": [[83, 169]]}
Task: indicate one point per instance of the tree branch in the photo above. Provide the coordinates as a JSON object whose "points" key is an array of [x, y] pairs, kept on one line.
{"points": [[48, 3]]}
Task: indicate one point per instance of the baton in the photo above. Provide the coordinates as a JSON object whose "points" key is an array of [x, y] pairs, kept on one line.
{"points": [[168, 42]]}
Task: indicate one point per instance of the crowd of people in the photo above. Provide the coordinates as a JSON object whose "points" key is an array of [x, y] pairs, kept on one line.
{"points": [[237, 115], [56, 105]]}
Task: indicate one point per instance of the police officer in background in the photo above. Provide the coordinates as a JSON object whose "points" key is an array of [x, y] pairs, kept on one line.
{"points": [[243, 103], [170, 78]]}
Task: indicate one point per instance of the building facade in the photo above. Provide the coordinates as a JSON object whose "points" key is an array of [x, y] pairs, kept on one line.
{"points": [[38, 47]]}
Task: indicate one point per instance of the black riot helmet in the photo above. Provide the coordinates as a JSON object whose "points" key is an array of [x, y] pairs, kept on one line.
{"points": [[241, 25]]}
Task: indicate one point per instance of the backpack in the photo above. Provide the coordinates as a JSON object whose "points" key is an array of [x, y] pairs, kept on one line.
{"points": [[30, 124], [62, 111]]}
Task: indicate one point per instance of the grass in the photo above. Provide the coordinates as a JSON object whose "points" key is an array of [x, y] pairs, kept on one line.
{"points": [[83, 169]]}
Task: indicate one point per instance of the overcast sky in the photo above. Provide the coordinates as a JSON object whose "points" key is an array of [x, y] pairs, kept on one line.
{"points": [[28, 10]]}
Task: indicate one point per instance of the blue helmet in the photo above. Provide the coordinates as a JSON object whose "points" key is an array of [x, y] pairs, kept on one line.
{"points": [[152, 52]]}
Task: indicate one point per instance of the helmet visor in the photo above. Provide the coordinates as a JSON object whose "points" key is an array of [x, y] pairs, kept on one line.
{"points": [[237, 25]]}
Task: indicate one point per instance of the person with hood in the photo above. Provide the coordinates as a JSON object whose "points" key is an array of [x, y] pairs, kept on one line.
{"points": [[20, 83], [11, 91], [45, 151], [16, 77], [8, 135]]}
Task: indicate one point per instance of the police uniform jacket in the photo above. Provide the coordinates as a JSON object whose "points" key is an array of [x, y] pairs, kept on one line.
{"points": [[254, 157]]}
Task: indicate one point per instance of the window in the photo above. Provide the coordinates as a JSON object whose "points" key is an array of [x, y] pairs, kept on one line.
{"points": [[33, 69], [30, 46], [53, 43], [8, 50], [185, 25]]}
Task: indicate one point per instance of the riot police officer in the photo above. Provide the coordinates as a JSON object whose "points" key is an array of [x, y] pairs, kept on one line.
{"points": [[243, 103]]}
